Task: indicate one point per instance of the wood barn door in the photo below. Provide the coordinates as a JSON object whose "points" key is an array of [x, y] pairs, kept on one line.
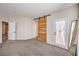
{"points": [[42, 29], [4, 31]]}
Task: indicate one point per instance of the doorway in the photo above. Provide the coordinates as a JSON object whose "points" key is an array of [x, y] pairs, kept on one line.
{"points": [[4, 31]]}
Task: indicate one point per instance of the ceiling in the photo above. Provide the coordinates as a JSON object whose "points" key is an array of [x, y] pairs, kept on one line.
{"points": [[32, 10]]}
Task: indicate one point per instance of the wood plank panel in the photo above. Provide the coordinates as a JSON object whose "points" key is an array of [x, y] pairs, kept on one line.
{"points": [[42, 29]]}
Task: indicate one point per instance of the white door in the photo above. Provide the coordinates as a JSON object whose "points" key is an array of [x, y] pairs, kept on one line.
{"points": [[12, 31], [60, 33]]}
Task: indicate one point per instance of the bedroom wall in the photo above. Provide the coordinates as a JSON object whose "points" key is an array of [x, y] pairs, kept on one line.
{"points": [[24, 28], [68, 15]]}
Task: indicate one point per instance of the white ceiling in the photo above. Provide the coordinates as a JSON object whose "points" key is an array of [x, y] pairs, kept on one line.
{"points": [[32, 10]]}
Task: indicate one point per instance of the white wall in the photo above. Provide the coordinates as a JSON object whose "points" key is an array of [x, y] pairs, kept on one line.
{"points": [[68, 15]]}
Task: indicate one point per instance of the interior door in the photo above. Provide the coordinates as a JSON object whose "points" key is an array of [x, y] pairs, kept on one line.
{"points": [[4, 31], [12, 31]]}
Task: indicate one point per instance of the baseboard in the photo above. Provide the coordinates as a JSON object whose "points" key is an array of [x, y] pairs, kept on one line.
{"points": [[25, 39]]}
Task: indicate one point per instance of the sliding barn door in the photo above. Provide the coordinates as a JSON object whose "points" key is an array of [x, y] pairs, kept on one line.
{"points": [[42, 29]]}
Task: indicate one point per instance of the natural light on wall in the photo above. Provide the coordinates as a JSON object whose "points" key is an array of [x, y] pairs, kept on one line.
{"points": [[60, 33]]}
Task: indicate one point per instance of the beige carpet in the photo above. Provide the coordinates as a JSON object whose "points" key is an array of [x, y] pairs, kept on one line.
{"points": [[31, 48]]}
